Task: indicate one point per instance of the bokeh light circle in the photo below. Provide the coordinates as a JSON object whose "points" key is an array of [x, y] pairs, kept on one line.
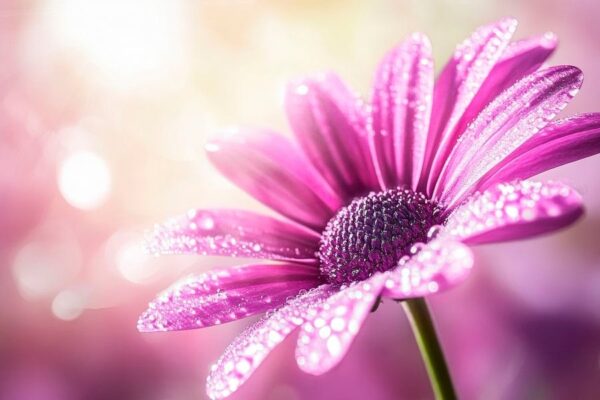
{"points": [[84, 180]]}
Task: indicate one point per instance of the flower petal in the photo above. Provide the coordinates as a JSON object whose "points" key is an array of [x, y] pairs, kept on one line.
{"points": [[510, 211], [401, 109], [440, 265], [560, 143], [247, 351], [520, 59], [508, 122], [329, 123], [226, 295], [234, 233], [270, 168], [457, 85], [331, 327]]}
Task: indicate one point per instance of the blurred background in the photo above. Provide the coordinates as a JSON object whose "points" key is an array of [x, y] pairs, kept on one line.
{"points": [[104, 110]]}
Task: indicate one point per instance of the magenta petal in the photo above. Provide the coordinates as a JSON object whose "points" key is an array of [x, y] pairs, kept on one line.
{"points": [[519, 59], [457, 85], [247, 351], [508, 122], [226, 295], [270, 168], [510, 211], [329, 123], [234, 233], [561, 142], [440, 265], [401, 109], [331, 327]]}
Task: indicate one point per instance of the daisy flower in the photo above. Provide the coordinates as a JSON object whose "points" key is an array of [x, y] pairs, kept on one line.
{"points": [[378, 199]]}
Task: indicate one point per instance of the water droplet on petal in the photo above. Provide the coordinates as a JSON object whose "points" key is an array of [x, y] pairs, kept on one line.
{"points": [[434, 231], [206, 223], [416, 248]]}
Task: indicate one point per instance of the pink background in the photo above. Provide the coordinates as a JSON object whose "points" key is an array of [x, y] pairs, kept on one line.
{"points": [[137, 87]]}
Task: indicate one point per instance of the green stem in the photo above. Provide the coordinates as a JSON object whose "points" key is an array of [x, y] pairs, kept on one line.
{"points": [[431, 351]]}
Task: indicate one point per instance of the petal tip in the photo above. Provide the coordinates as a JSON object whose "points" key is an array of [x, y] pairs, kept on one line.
{"points": [[509, 24], [147, 322], [420, 38], [549, 40], [212, 146], [317, 82], [297, 87], [214, 143], [308, 367], [569, 71], [315, 361]]}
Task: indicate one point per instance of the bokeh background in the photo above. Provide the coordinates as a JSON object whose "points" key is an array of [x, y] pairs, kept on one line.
{"points": [[104, 110]]}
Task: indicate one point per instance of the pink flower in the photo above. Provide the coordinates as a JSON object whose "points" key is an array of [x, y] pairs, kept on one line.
{"points": [[378, 199]]}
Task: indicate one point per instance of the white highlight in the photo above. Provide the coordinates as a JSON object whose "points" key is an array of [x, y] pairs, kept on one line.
{"points": [[84, 180], [68, 304], [49, 261], [133, 261], [128, 42]]}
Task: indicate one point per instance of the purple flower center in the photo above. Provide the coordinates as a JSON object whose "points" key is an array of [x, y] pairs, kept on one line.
{"points": [[374, 232]]}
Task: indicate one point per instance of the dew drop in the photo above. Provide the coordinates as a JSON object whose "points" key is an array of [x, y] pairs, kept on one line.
{"points": [[302, 90], [434, 231], [338, 324], [416, 248], [403, 260], [334, 345], [243, 366], [206, 223], [191, 214]]}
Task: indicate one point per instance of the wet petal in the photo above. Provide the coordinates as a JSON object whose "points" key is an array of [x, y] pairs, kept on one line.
{"points": [[560, 143], [247, 351], [273, 170], [508, 122], [226, 295], [510, 211], [234, 233], [331, 327], [440, 265], [329, 123], [401, 108], [520, 59], [457, 85]]}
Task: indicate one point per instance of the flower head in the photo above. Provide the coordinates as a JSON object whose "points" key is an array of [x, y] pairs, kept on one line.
{"points": [[378, 199]]}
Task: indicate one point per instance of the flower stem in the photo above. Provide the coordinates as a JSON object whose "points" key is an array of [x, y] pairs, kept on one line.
{"points": [[431, 351]]}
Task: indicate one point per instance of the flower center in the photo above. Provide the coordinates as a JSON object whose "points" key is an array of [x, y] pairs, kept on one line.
{"points": [[374, 232]]}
